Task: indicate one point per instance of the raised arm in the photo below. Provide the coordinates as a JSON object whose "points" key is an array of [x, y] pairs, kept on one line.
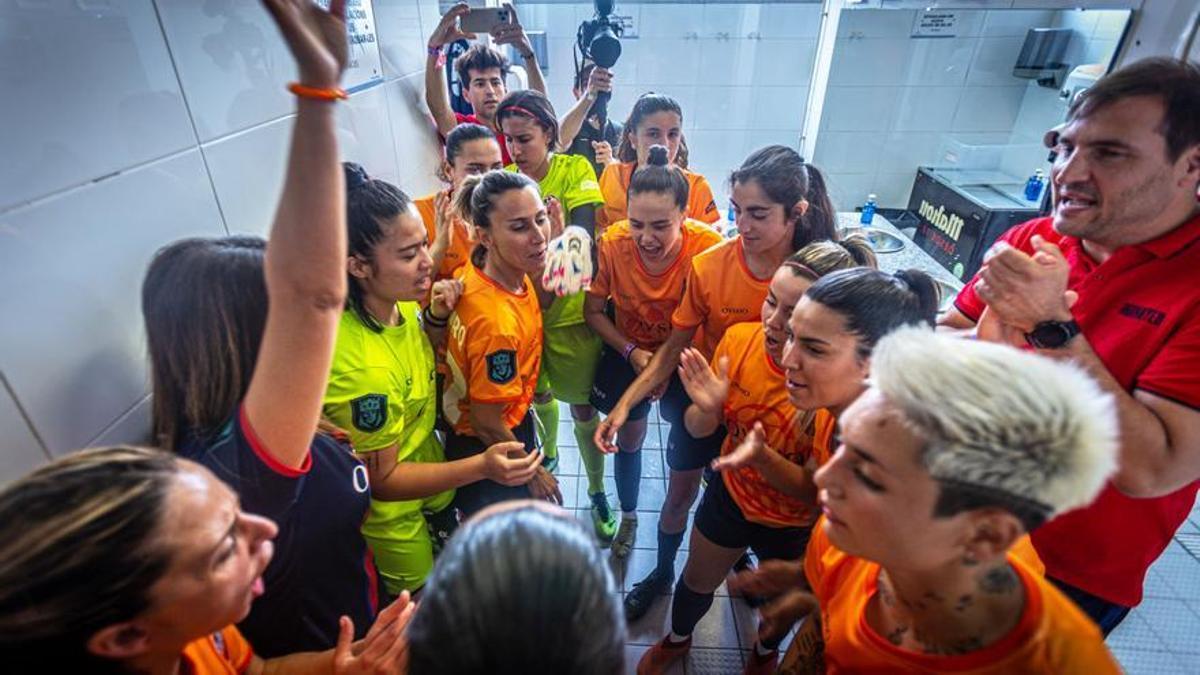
{"points": [[436, 96], [599, 80], [306, 252]]}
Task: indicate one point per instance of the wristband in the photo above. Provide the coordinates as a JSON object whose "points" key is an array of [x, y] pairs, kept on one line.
{"points": [[628, 351], [316, 93], [440, 53], [433, 321]]}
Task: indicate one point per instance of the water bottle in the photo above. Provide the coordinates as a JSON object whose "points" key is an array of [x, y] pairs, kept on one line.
{"points": [[1033, 186], [868, 210], [730, 223]]}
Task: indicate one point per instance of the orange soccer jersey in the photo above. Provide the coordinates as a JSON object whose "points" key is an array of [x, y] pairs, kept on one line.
{"points": [[758, 393], [224, 652], [614, 185], [459, 251], [720, 292], [1052, 635], [494, 350], [644, 301]]}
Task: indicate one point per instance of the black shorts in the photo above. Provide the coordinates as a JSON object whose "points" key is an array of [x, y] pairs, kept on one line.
{"points": [[475, 496], [613, 377], [720, 520], [684, 451]]}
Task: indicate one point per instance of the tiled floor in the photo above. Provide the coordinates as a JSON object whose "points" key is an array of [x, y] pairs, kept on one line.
{"points": [[1162, 635]]}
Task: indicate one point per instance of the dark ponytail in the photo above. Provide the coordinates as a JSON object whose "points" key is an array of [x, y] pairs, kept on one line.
{"points": [[875, 303], [787, 179], [474, 199], [657, 177], [457, 138], [369, 204]]}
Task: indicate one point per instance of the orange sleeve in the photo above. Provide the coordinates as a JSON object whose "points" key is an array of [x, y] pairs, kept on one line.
{"points": [[494, 375], [240, 651], [425, 208], [610, 188], [693, 308], [601, 285], [701, 203], [814, 556]]}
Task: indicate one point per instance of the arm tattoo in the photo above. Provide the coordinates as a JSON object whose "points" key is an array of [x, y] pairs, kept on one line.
{"points": [[999, 580]]}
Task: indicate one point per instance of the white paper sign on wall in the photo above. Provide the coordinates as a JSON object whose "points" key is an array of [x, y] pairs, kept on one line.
{"points": [[935, 23], [365, 68]]}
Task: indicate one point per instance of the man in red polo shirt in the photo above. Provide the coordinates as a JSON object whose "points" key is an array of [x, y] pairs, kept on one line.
{"points": [[481, 70], [1112, 282]]}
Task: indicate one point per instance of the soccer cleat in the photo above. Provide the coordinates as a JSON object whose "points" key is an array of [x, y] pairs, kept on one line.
{"points": [[644, 593], [663, 655], [622, 546], [603, 518]]}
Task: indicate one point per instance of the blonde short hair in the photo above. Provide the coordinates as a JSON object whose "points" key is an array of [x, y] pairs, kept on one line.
{"points": [[1001, 427]]}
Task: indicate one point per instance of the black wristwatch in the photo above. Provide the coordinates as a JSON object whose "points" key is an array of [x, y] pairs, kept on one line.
{"points": [[1052, 334]]}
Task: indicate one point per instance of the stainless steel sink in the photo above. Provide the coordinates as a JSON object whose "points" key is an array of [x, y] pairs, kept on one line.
{"points": [[881, 241], [948, 293]]}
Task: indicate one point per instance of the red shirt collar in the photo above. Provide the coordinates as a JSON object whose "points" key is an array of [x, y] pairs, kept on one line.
{"points": [[1174, 241]]}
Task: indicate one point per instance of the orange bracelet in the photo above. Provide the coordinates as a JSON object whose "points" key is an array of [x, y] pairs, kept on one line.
{"points": [[332, 94]]}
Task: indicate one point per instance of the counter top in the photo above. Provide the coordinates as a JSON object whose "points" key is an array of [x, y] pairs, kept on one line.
{"points": [[912, 257]]}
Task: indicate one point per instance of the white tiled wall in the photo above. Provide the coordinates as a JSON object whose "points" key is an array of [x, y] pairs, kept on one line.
{"points": [[894, 101], [138, 123], [741, 72]]}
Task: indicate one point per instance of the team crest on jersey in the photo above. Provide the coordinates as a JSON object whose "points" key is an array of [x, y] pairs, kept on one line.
{"points": [[369, 412], [502, 366]]}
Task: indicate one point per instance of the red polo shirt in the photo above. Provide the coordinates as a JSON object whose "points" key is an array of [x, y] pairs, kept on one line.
{"points": [[1140, 312], [472, 119]]}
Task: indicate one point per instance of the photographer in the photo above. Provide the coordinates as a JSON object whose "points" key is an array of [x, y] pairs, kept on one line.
{"points": [[583, 131], [481, 70]]}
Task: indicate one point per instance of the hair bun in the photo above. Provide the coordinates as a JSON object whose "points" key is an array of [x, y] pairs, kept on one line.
{"points": [[657, 156], [356, 176]]}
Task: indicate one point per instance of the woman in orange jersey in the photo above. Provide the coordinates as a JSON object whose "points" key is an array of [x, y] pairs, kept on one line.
{"points": [[471, 149], [170, 561], [745, 389], [957, 450], [656, 119], [781, 206], [494, 349], [643, 264]]}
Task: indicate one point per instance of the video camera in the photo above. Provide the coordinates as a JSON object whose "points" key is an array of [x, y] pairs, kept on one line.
{"points": [[598, 42]]}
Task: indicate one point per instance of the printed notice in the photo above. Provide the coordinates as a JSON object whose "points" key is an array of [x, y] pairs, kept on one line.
{"points": [[935, 23], [364, 69]]}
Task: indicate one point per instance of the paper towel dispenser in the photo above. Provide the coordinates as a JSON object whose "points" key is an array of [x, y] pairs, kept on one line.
{"points": [[1042, 55]]}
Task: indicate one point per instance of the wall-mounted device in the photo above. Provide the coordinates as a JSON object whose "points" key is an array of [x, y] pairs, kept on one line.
{"points": [[1042, 56]]}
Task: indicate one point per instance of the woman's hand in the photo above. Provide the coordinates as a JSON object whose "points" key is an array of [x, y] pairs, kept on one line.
{"points": [[508, 464], [447, 30], [752, 451], [777, 616], [554, 211], [544, 485], [444, 297], [708, 390], [316, 38], [769, 579], [604, 153], [384, 649], [443, 216], [640, 358], [609, 426]]}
